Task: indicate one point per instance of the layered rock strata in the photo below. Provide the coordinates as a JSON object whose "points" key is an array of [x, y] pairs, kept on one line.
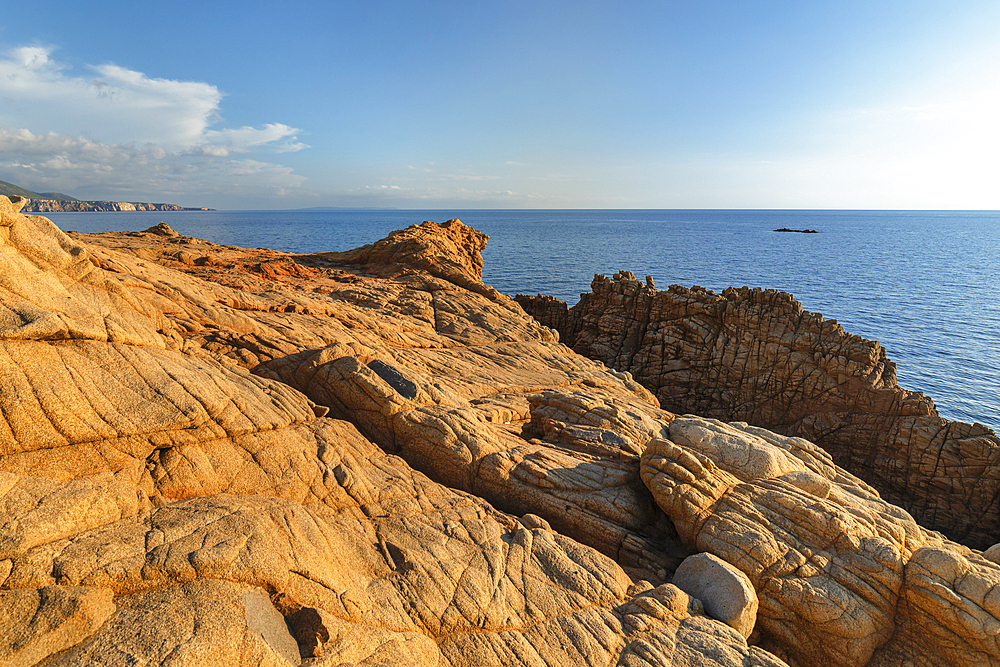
{"points": [[415, 473], [842, 577], [755, 355]]}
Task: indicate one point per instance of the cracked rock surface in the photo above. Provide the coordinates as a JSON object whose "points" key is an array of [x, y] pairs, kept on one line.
{"points": [[842, 576], [160, 504], [213, 455], [755, 355]]}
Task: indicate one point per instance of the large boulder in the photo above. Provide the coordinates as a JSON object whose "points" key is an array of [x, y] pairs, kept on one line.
{"points": [[726, 593]]}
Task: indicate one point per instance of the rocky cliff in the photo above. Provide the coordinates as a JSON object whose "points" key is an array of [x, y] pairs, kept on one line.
{"points": [[756, 356], [213, 456], [53, 206]]}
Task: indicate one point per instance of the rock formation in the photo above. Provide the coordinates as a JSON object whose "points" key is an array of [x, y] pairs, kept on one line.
{"points": [[843, 577], [415, 473], [161, 505], [64, 205], [755, 355]]}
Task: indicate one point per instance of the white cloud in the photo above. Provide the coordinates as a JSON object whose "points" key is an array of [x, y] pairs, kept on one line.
{"points": [[112, 104], [115, 130], [63, 162], [245, 138]]}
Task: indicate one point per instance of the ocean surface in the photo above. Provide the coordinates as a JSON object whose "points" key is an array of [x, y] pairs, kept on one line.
{"points": [[926, 284]]}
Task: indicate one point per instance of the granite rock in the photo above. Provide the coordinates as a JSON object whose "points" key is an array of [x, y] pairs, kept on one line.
{"points": [[755, 355], [160, 504], [842, 577], [416, 472], [725, 592]]}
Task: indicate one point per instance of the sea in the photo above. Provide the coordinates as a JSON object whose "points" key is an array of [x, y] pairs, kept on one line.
{"points": [[925, 284]]}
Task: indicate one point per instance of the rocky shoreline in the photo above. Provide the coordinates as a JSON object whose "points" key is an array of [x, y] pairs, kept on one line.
{"points": [[216, 455], [755, 355], [62, 206]]}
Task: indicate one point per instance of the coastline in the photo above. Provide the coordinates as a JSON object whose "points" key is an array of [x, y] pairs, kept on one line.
{"points": [[872, 271], [68, 206], [336, 439]]}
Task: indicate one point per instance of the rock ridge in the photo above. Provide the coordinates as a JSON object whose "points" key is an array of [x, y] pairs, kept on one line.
{"points": [[756, 355], [57, 206]]}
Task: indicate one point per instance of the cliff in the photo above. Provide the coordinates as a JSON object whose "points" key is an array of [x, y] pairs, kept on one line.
{"points": [[213, 456], [55, 206], [756, 356]]}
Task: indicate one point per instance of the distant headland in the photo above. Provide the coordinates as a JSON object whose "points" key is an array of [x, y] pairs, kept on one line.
{"points": [[800, 231], [56, 202]]}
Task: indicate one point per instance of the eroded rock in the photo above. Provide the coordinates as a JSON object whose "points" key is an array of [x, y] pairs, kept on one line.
{"points": [[159, 504], [842, 576], [153, 473], [755, 355], [726, 592]]}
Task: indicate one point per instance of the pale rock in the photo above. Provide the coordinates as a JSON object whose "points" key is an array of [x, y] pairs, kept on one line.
{"points": [[725, 592]]}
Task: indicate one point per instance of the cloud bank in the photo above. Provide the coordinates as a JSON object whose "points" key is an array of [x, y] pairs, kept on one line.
{"points": [[119, 133]]}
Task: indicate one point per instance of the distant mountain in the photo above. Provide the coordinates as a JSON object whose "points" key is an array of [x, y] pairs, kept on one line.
{"points": [[9, 189], [347, 208], [58, 196]]}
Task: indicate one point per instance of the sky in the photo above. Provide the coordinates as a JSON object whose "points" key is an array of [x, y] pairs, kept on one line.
{"points": [[712, 104]]}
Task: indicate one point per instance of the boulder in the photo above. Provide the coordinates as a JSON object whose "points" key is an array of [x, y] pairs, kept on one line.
{"points": [[842, 576], [725, 592]]}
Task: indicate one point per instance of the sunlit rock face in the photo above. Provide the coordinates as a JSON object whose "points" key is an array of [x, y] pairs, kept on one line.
{"points": [[212, 455], [842, 577], [756, 356], [159, 504]]}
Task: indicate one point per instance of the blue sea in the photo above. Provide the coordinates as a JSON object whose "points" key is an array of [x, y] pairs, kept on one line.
{"points": [[926, 284]]}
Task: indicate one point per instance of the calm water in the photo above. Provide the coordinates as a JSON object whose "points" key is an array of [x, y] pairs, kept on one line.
{"points": [[924, 283]]}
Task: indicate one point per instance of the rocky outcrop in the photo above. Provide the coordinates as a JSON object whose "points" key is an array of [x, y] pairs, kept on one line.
{"points": [[843, 577], [755, 355], [159, 504], [450, 251], [415, 472], [58, 206]]}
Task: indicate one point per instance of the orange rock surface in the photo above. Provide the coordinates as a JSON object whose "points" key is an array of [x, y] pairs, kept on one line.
{"points": [[213, 455]]}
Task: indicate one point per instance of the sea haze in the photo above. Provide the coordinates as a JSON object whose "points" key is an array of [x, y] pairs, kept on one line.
{"points": [[926, 284]]}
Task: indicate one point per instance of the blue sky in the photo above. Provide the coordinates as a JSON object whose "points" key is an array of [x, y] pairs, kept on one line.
{"points": [[244, 105]]}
